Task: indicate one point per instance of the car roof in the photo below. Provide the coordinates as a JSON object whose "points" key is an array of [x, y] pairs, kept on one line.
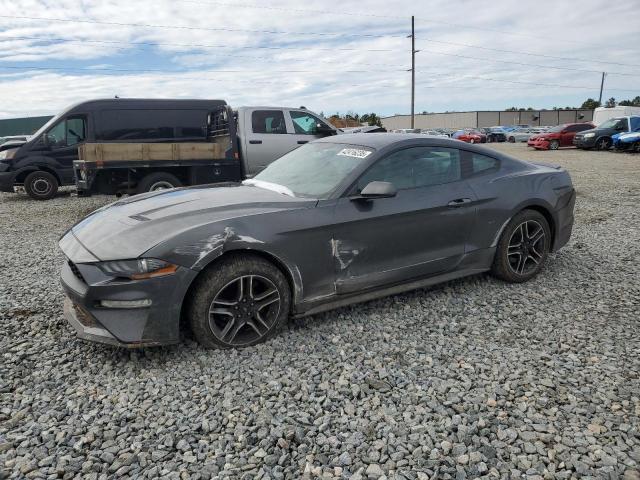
{"points": [[380, 140]]}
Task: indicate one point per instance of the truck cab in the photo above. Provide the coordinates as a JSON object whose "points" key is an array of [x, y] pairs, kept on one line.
{"points": [[267, 133], [600, 137]]}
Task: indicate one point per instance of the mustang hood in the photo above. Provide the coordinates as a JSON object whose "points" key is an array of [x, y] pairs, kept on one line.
{"points": [[128, 228]]}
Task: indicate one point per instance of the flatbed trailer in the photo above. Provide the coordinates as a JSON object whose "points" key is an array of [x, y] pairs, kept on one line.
{"points": [[117, 167]]}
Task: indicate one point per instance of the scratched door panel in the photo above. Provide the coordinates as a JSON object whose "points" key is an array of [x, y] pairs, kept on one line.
{"points": [[389, 240]]}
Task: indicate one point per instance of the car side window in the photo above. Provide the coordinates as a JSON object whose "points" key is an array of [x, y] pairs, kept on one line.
{"points": [[415, 167], [67, 133], [482, 164], [268, 121], [76, 131], [304, 123]]}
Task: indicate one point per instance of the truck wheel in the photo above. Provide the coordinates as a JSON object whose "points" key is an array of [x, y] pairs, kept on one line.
{"points": [[41, 185], [603, 143], [158, 181]]}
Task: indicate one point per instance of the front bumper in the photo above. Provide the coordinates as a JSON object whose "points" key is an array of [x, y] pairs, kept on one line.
{"points": [[540, 144], [7, 180], [582, 142], [85, 286]]}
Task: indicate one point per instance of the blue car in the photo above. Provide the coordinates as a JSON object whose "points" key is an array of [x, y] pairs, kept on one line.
{"points": [[627, 141]]}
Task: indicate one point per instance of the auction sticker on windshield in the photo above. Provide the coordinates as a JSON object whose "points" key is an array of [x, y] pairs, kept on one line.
{"points": [[354, 152]]}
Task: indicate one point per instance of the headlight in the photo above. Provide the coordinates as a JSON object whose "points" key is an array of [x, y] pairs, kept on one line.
{"points": [[589, 135], [138, 269], [8, 154]]}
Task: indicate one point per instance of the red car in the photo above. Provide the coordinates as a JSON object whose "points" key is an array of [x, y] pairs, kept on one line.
{"points": [[560, 136], [470, 136]]}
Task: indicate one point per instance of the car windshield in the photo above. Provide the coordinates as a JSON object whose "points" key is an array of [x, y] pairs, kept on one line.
{"points": [[313, 170], [611, 123]]}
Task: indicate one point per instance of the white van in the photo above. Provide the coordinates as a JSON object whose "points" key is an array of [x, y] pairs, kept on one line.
{"points": [[602, 114]]}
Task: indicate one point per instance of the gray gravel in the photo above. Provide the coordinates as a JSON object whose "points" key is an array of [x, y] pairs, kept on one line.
{"points": [[475, 378]]}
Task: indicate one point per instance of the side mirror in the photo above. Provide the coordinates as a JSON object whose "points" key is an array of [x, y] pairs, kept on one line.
{"points": [[324, 129], [378, 190], [44, 139]]}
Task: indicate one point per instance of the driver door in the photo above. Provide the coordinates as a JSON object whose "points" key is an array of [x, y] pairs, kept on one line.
{"points": [[422, 231], [64, 139], [304, 127]]}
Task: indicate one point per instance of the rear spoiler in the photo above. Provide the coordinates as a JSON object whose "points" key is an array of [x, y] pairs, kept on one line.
{"points": [[548, 165]]}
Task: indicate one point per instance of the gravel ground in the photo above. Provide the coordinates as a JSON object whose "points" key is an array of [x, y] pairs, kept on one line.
{"points": [[475, 378]]}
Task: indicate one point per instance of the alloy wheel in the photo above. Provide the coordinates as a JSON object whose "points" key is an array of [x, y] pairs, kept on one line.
{"points": [[603, 144], [527, 247], [244, 310]]}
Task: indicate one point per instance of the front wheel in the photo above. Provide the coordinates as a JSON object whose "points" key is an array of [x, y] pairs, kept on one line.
{"points": [[512, 140], [603, 144], [523, 247], [41, 185], [239, 302], [554, 145]]}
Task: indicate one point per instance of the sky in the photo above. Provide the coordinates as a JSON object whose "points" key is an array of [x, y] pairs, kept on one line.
{"points": [[329, 56]]}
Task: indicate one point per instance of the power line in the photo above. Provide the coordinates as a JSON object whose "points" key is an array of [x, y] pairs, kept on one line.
{"points": [[216, 54], [209, 29], [370, 15], [173, 72], [528, 64], [539, 84], [530, 53], [198, 45], [281, 32], [151, 70]]}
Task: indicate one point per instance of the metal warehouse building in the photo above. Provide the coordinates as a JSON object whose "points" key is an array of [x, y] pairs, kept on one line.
{"points": [[488, 118], [21, 126]]}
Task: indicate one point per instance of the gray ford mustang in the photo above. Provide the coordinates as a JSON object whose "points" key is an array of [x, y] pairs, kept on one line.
{"points": [[337, 221]]}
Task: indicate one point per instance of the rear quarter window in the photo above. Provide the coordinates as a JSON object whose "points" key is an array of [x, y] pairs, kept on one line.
{"points": [[478, 164]]}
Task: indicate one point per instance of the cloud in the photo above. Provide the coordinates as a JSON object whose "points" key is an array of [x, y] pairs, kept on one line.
{"points": [[225, 51]]}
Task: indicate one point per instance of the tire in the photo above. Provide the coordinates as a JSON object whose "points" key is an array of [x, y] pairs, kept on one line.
{"points": [[603, 143], [512, 140], [554, 145], [507, 263], [157, 181], [238, 320], [41, 185], [636, 147]]}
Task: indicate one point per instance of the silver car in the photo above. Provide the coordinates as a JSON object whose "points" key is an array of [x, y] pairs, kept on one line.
{"points": [[521, 135]]}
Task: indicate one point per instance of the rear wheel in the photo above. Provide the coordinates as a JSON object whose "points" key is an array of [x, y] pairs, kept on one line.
{"points": [[240, 302], [603, 143], [157, 181], [554, 145], [523, 247], [636, 147], [41, 185]]}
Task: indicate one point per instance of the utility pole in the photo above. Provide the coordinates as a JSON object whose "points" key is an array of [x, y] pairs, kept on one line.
{"points": [[413, 71], [601, 86]]}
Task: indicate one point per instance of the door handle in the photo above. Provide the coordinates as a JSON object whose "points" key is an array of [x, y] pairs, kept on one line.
{"points": [[255, 142], [458, 202], [300, 142]]}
